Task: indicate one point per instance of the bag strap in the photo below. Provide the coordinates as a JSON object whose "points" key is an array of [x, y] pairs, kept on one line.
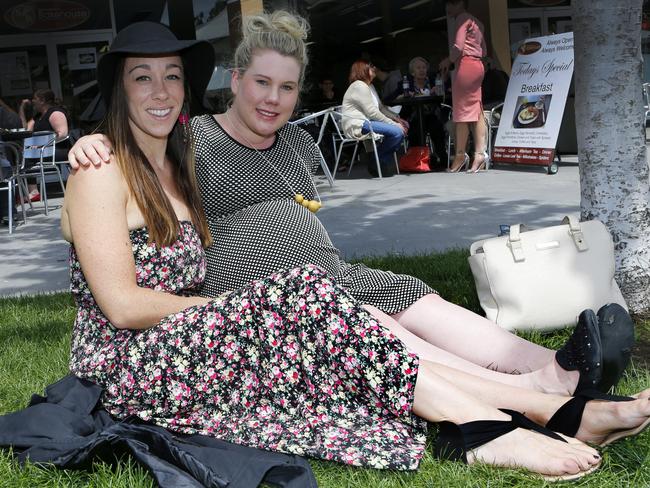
{"points": [[575, 231], [514, 242], [516, 247]]}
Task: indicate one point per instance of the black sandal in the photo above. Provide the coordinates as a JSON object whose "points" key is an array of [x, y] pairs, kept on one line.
{"points": [[583, 352], [455, 441], [569, 416], [617, 338]]}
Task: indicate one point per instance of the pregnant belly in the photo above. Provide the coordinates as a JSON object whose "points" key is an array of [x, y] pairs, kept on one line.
{"points": [[262, 239]]}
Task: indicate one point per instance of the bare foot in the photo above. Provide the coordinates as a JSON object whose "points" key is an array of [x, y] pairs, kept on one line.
{"points": [[555, 380], [603, 422], [537, 453]]}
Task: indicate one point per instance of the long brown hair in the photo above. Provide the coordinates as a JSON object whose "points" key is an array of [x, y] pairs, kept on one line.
{"points": [[159, 215]]}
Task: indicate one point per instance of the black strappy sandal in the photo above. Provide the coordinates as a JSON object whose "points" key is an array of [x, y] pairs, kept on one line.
{"points": [[569, 416], [583, 352], [455, 441]]}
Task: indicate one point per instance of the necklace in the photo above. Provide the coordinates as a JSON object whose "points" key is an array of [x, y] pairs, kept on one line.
{"points": [[311, 205]]}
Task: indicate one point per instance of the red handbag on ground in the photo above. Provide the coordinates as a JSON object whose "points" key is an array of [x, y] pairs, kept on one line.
{"points": [[416, 160]]}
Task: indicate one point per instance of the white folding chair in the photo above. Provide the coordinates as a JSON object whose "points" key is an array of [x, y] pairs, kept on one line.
{"points": [[340, 140], [314, 118], [41, 146]]}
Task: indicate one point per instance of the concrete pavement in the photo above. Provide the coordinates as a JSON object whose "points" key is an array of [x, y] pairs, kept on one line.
{"points": [[405, 214]]}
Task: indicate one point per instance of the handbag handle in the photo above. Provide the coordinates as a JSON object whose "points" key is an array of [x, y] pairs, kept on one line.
{"points": [[517, 250]]}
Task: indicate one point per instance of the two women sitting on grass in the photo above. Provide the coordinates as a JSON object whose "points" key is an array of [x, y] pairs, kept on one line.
{"points": [[295, 360]]}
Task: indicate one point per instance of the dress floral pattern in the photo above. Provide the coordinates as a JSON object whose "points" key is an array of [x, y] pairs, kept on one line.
{"points": [[288, 363]]}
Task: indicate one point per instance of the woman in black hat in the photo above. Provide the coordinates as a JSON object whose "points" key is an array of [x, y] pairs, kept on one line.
{"points": [[290, 362]]}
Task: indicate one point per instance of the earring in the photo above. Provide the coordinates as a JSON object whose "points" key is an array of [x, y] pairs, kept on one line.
{"points": [[184, 121]]}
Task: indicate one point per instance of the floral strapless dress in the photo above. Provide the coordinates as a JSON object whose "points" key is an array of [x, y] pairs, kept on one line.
{"points": [[288, 363]]}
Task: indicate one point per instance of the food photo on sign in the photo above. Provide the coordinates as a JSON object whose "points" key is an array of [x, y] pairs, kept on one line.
{"points": [[531, 111]]}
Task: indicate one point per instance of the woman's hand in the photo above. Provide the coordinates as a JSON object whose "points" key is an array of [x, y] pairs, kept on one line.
{"points": [[404, 125], [93, 148]]}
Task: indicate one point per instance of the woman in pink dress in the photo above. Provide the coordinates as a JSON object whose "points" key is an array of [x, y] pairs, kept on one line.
{"points": [[466, 52]]}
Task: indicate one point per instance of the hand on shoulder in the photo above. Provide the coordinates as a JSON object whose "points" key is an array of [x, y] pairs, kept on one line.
{"points": [[92, 149]]}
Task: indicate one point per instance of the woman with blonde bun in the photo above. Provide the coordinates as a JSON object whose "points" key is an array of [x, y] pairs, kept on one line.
{"points": [[345, 388]]}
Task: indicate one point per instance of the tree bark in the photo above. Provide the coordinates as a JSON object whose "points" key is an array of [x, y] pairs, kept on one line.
{"points": [[614, 170]]}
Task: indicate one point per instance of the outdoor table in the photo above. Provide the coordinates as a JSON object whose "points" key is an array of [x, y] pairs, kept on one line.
{"points": [[419, 101]]}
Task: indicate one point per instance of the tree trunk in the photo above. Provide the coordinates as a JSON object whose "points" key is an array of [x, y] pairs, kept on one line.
{"points": [[614, 171]]}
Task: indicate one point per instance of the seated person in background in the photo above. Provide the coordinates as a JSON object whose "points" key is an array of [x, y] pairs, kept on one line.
{"points": [[53, 117], [390, 78], [325, 96], [432, 113], [362, 109]]}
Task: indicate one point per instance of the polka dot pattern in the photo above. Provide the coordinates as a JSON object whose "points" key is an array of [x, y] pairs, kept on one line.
{"points": [[258, 228]]}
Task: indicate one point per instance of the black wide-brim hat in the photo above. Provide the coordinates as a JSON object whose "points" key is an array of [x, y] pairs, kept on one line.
{"points": [[148, 38]]}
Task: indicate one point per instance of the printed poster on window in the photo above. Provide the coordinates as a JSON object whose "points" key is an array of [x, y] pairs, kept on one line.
{"points": [[534, 105], [15, 79]]}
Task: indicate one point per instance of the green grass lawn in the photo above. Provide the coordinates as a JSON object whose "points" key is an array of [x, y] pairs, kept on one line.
{"points": [[34, 346]]}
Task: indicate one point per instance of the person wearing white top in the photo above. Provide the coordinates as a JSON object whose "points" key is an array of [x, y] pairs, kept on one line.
{"points": [[363, 110]]}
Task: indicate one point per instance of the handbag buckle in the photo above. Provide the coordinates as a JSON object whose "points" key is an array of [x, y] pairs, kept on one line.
{"points": [[579, 240], [517, 250]]}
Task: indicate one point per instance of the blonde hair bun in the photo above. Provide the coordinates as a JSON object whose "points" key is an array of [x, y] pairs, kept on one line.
{"points": [[278, 21], [280, 31]]}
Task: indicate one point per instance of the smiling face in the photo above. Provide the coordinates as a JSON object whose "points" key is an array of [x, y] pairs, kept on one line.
{"points": [[155, 92], [265, 94]]}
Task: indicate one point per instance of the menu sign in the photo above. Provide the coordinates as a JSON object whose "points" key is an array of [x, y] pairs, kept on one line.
{"points": [[534, 104]]}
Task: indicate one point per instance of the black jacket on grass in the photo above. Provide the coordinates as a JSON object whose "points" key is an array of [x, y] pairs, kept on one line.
{"points": [[68, 428]]}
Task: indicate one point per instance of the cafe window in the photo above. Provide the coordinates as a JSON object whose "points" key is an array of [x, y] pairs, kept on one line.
{"points": [[535, 18], [78, 72], [22, 71]]}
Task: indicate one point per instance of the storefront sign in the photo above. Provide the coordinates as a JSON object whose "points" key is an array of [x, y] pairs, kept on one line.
{"points": [[54, 15], [534, 105]]}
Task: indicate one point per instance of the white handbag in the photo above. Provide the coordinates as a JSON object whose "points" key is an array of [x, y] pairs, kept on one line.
{"points": [[542, 279]]}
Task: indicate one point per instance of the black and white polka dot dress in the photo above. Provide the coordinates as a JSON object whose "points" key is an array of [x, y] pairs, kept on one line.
{"points": [[259, 229]]}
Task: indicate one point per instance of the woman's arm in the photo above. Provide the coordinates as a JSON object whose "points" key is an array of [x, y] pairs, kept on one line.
{"points": [[59, 123], [104, 250], [27, 124], [463, 22]]}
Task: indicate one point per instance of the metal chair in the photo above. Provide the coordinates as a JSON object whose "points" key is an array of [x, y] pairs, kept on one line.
{"points": [[492, 118], [340, 140], [41, 146], [314, 118], [10, 181]]}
